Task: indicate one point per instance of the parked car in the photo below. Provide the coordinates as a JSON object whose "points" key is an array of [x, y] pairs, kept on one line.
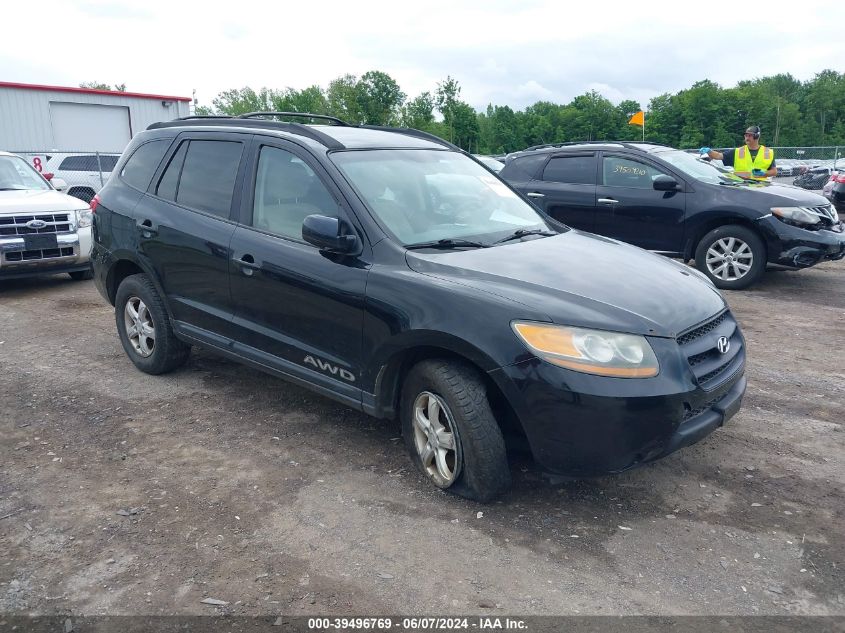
{"points": [[42, 231], [85, 174], [671, 202], [814, 178], [836, 190], [318, 253], [493, 164]]}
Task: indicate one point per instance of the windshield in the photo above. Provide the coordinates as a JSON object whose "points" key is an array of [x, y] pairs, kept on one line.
{"points": [[16, 174], [428, 195], [698, 168]]}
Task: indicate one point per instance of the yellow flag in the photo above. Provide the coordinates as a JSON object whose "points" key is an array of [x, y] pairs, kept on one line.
{"points": [[637, 119]]}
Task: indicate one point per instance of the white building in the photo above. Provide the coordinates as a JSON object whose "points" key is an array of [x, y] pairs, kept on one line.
{"points": [[38, 119]]}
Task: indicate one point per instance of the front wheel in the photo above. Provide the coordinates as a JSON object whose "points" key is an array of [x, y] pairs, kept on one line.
{"points": [[144, 327], [732, 256], [451, 432]]}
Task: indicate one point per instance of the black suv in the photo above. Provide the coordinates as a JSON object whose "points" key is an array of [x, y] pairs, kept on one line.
{"points": [[391, 271], [671, 202]]}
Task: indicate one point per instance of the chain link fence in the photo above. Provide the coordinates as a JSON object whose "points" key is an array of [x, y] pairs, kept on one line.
{"points": [[808, 167], [80, 173]]}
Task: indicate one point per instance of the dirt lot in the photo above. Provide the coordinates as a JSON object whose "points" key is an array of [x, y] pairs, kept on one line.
{"points": [[123, 493]]}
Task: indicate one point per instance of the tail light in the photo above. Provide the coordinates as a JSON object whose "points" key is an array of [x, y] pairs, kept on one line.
{"points": [[95, 202], [48, 175]]}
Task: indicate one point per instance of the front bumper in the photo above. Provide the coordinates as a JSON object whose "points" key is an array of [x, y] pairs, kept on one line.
{"points": [[582, 425], [72, 253], [795, 247]]}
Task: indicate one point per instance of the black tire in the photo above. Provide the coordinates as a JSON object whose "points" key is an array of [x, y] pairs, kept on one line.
{"points": [[730, 249], [477, 462], [81, 275], [158, 354]]}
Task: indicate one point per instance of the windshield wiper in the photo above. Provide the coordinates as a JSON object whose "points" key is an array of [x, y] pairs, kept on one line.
{"points": [[13, 189], [448, 243], [523, 232]]}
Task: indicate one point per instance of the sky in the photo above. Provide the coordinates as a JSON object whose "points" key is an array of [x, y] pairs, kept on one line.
{"points": [[500, 52]]}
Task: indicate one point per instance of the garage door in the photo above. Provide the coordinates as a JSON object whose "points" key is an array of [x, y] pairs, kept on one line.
{"points": [[89, 127]]}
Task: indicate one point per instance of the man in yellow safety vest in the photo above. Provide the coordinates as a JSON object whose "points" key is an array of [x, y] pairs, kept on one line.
{"points": [[752, 160]]}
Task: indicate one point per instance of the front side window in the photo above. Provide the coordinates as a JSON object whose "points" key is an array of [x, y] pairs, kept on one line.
{"points": [[287, 191], [201, 175], [618, 171], [429, 195]]}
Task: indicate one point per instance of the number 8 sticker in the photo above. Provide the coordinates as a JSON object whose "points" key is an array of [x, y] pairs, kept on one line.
{"points": [[36, 162]]}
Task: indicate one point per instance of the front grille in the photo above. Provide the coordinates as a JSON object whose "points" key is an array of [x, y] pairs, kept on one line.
{"points": [[16, 224], [34, 255], [825, 211], [710, 366], [704, 407]]}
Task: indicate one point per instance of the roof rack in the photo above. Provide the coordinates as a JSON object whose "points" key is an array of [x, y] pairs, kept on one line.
{"points": [[301, 115], [409, 131], [625, 144], [293, 128]]}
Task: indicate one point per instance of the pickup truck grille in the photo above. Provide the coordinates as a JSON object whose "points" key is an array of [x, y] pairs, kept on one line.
{"points": [[17, 224], [711, 366]]}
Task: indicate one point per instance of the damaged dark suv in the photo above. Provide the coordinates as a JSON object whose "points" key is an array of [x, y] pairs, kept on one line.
{"points": [[389, 270], [674, 203]]}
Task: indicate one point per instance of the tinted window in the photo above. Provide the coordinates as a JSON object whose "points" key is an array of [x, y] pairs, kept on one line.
{"points": [[208, 176], [139, 169], [625, 172], [571, 169], [88, 163], [166, 187], [286, 191], [524, 167]]}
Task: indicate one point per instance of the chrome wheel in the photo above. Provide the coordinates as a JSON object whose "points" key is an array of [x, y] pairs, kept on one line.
{"points": [[140, 329], [434, 439], [729, 259]]}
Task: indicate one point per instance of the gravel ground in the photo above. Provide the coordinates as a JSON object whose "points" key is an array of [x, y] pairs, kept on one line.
{"points": [[122, 493]]}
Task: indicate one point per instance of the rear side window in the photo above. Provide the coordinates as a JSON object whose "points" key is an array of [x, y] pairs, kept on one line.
{"points": [[139, 169], [88, 162], [571, 169], [202, 175], [523, 167]]}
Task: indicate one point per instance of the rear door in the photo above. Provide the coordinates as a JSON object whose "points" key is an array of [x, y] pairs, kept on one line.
{"points": [[630, 209], [566, 189], [297, 309], [185, 226]]}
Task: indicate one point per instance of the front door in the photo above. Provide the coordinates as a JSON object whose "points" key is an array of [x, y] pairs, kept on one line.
{"points": [[629, 209], [297, 309]]}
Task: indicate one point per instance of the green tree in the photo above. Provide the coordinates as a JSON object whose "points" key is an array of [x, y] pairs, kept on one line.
{"points": [[418, 113], [343, 101], [380, 98], [96, 85]]}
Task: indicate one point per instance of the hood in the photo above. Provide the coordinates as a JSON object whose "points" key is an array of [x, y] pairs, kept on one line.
{"points": [[766, 194], [586, 280], [38, 201]]}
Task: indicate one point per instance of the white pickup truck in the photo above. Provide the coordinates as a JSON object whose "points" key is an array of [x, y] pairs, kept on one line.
{"points": [[42, 231]]}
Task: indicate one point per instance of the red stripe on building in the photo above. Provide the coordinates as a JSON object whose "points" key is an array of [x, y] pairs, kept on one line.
{"points": [[91, 91]]}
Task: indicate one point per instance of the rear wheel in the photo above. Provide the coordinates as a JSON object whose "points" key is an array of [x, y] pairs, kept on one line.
{"points": [[144, 327], [451, 432], [732, 256]]}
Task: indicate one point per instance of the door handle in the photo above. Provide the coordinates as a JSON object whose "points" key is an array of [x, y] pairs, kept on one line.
{"points": [[535, 194], [247, 264], [147, 228], [607, 201]]}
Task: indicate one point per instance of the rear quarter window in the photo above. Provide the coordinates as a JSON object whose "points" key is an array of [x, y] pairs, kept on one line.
{"points": [[140, 167]]}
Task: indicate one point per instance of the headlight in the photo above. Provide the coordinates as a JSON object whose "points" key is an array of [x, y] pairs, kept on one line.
{"points": [[590, 351], [84, 218], [798, 215]]}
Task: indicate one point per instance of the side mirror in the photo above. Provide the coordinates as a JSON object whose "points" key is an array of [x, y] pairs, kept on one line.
{"points": [[665, 183], [330, 234], [59, 184]]}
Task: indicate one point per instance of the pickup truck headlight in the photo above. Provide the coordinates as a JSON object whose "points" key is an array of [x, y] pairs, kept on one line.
{"points": [[796, 215], [590, 351], [84, 218]]}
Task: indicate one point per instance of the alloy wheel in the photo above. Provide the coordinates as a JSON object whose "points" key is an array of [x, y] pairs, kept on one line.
{"points": [[140, 329], [434, 439], [729, 259]]}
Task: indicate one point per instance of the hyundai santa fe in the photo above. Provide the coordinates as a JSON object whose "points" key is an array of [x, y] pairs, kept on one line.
{"points": [[389, 270], [671, 202]]}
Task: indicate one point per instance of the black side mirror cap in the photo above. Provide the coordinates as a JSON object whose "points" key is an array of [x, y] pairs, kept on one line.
{"points": [[663, 182], [330, 234]]}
